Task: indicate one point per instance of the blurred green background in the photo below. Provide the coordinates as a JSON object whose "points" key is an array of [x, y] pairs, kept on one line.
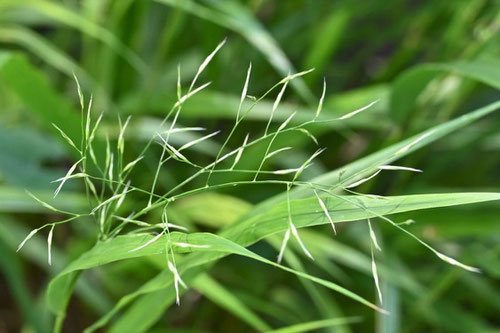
{"points": [[425, 61]]}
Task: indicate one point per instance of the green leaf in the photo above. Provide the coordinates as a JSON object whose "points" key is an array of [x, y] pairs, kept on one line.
{"points": [[43, 49], [392, 323], [119, 248], [27, 170], [233, 16], [33, 89], [11, 268], [326, 41], [12, 232], [305, 212], [145, 312], [411, 83], [61, 14], [324, 246], [327, 307], [212, 209], [366, 166], [317, 324], [15, 200], [216, 292], [215, 105]]}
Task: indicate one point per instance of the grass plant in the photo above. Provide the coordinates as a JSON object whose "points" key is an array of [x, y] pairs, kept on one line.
{"points": [[124, 235]]}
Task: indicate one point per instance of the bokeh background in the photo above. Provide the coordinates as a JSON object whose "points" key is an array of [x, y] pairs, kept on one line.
{"points": [[424, 61]]}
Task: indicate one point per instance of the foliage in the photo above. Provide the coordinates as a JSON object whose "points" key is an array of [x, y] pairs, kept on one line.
{"points": [[149, 207]]}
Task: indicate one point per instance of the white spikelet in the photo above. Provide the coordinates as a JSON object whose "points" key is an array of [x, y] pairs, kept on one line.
{"points": [[325, 210]]}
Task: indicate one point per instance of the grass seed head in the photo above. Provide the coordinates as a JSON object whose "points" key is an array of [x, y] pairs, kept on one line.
{"points": [[31, 234], [151, 241], [361, 181], [295, 233], [325, 210], [353, 113], [320, 104], [49, 245], [283, 246]]}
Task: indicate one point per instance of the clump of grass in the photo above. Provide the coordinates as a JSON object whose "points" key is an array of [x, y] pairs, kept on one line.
{"points": [[108, 185]]}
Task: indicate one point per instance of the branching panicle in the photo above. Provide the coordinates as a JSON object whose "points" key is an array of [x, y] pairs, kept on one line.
{"points": [[110, 191]]}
